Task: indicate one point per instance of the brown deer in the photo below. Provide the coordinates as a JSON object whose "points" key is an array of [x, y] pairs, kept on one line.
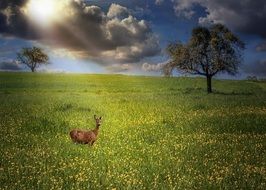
{"points": [[86, 137]]}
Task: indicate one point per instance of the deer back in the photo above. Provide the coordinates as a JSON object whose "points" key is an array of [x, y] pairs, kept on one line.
{"points": [[81, 136]]}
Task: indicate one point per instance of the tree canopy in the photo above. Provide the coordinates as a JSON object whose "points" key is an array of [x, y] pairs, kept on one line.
{"points": [[32, 57], [209, 51]]}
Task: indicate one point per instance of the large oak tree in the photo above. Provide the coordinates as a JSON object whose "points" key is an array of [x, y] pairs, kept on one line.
{"points": [[209, 51], [32, 57]]}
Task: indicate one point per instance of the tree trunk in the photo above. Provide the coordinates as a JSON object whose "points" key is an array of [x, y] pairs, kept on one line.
{"points": [[209, 84], [32, 69]]}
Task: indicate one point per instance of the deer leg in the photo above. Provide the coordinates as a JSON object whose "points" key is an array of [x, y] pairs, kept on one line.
{"points": [[92, 142]]}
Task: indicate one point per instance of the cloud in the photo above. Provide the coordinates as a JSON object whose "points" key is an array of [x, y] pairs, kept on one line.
{"points": [[14, 23], [117, 10], [86, 31], [7, 12], [261, 47], [258, 68], [158, 2], [184, 8], [46, 70], [10, 65], [135, 52], [119, 68], [152, 67], [247, 16], [6, 50]]}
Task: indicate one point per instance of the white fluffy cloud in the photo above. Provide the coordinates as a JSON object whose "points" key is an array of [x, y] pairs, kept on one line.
{"points": [[117, 10], [148, 67]]}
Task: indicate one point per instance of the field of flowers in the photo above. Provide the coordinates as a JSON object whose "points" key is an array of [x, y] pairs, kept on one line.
{"points": [[157, 133]]}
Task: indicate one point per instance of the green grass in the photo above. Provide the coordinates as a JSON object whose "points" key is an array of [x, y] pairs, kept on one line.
{"points": [[157, 133]]}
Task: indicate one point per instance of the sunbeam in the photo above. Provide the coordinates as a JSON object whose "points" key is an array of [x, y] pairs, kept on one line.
{"points": [[43, 12]]}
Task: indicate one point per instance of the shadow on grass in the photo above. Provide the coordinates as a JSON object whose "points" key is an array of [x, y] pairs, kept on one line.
{"points": [[69, 106], [203, 91], [193, 90], [246, 123], [233, 93]]}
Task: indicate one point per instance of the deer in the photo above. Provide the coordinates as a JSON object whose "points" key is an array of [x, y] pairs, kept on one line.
{"points": [[86, 137]]}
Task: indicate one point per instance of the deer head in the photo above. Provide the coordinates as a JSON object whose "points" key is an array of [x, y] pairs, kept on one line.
{"points": [[98, 121]]}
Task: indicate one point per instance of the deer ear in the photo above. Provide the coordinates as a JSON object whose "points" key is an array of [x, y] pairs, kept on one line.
{"points": [[100, 117]]}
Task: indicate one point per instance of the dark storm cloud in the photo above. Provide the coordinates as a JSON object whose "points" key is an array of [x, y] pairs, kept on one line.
{"points": [[245, 16], [6, 3], [257, 68], [88, 32], [14, 23], [10, 66]]}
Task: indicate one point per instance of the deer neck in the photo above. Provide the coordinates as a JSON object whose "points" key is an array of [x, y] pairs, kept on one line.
{"points": [[96, 130]]}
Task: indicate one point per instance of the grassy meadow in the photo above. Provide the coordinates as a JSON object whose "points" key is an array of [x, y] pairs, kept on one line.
{"points": [[157, 133]]}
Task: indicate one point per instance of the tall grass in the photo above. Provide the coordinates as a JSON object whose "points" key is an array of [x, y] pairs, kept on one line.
{"points": [[157, 133]]}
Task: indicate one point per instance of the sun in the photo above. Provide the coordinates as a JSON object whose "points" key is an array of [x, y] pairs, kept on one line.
{"points": [[42, 11]]}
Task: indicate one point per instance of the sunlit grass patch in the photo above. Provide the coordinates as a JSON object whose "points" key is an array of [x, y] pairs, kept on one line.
{"points": [[157, 133]]}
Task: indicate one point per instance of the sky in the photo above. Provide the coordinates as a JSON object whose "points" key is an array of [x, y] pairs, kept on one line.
{"points": [[124, 36]]}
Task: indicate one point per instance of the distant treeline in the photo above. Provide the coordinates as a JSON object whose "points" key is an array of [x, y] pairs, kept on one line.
{"points": [[255, 78]]}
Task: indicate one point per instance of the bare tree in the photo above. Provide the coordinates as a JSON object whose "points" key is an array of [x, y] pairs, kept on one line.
{"points": [[32, 57], [208, 52]]}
